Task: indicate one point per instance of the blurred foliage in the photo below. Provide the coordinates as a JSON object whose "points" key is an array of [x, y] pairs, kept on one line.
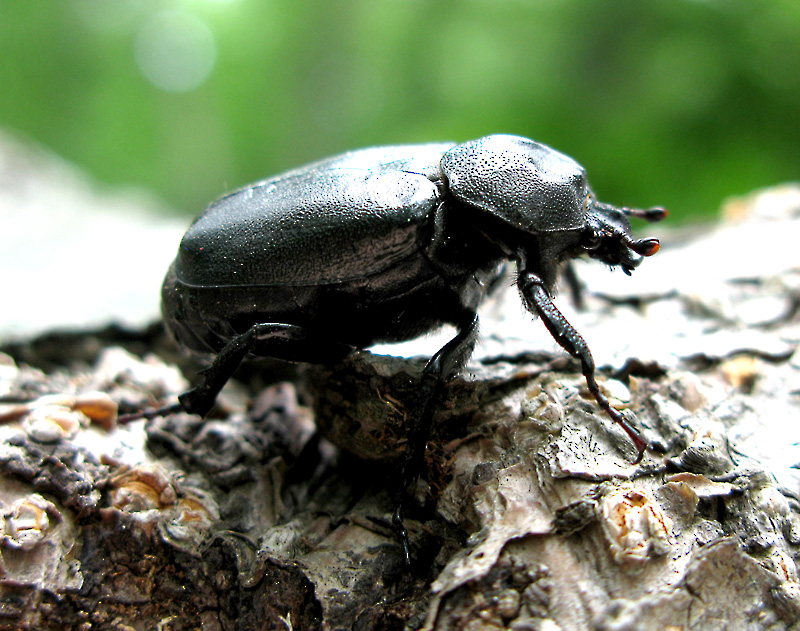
{"points": [[672, 102]]}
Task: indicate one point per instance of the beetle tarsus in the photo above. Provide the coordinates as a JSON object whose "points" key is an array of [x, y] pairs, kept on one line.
{"points": [[401, 533], [124, 419]]}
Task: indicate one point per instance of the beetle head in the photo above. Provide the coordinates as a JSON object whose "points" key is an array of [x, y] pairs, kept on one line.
{"points": [[607, 235], [542, 194]]}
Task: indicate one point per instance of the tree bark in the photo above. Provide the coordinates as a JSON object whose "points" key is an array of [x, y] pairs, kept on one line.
{"points": [[275, 512]]}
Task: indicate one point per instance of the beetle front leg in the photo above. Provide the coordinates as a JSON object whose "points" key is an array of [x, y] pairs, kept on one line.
{"points": [[445, 364], [538, 300]]}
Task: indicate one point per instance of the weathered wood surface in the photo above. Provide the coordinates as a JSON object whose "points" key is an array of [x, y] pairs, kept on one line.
{"points": [[529, 514]]}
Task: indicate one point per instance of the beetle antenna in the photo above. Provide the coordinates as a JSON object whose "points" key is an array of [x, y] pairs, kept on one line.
{"points": [[650, 214], [642, 247]]}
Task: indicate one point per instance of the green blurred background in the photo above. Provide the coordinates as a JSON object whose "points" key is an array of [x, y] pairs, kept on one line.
{"points": [[673, 102]]}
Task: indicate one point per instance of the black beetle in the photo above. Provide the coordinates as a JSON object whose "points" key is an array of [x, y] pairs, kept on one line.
{"points": [[383, 245]]}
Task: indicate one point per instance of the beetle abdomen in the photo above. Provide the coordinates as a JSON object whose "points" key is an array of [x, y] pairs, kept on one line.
{"points": [[383, 308]]}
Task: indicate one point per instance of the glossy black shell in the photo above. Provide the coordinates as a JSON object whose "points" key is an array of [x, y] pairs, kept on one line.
{"points": [[374, 245], [347, 217]]}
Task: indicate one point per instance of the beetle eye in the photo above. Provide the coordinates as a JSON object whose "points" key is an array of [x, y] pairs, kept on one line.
{"points": [[591, 240]]}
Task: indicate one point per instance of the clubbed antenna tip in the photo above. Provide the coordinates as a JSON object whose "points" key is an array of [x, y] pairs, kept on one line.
{"points": [[650, 214], [645, 247]]}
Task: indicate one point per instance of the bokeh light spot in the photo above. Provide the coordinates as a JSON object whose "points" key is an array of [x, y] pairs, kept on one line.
{"points": [[175, 51]]}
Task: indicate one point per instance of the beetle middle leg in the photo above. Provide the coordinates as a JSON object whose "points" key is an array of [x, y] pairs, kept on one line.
{"points": [[446, 363], [537, 299], [574, 285]]}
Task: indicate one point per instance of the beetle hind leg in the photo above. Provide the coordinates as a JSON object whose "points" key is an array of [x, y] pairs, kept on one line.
{"points": [[282, 341]]}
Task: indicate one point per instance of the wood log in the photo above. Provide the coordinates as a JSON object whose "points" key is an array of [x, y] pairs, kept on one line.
{"points": [[274, 513]]}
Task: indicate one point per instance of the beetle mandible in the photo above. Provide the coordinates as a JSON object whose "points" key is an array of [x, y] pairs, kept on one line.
{"points": [[385, 244]]}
